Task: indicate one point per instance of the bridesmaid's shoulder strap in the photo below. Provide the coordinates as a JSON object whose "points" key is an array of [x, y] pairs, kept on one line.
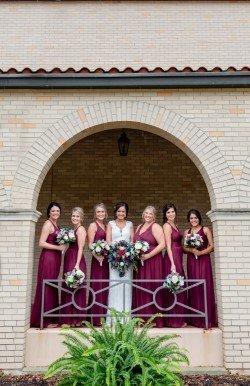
{"points": [[78, 228], [53, 224], [139, 228]]}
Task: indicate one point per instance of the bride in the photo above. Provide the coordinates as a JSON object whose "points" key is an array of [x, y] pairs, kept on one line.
{"points": [[120, 295]]}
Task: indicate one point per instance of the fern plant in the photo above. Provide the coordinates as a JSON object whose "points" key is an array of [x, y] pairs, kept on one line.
{"points": [[120, 356]]}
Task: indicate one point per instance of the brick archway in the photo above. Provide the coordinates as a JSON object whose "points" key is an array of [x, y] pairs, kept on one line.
{"points": [[3, 197], [244, 190], [114, 114]]}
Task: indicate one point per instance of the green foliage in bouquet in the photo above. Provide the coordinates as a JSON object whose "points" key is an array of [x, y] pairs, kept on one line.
{"points": [[122, 356]]}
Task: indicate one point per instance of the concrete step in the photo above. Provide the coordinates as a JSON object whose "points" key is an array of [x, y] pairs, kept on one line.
{"points": [[204, 346]]}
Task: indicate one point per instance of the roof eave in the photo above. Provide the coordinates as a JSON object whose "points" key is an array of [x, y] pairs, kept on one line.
{"points": [[126, 80]]}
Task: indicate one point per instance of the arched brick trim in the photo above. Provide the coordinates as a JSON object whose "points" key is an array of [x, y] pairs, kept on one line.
{"points": [[3, 197], [113, 114], [244, 190]]}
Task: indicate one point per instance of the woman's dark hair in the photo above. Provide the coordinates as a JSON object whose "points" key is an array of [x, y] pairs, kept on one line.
{"points": [[120, 205], [165, 209], [196, 213], [53, 203]]}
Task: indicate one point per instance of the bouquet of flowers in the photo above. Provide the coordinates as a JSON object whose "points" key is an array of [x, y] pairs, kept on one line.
{"points": [[65, 236], [121, 256], [193, 240], [100, 248], [174, 282], [141, 247], [74, 278]]}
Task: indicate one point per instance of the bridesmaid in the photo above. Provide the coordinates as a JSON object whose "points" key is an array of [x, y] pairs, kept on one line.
{"points": [[99, 265], [200, 269], [152, 264], [74, 258], [174, 260], [48, 268]]}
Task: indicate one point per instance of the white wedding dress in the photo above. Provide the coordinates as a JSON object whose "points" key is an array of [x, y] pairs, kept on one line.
{"points": [[120, 295]]}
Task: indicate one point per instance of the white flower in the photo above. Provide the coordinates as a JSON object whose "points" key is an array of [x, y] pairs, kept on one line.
{"points": [[98, 249], [138, 245], [80, 273], [127, 254], [121, 263], [175, 279], [66, 237], [145, 248], [107, 247], [71, 234]]}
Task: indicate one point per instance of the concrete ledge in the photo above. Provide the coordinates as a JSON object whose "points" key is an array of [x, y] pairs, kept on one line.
{"points": [[204, 346]]}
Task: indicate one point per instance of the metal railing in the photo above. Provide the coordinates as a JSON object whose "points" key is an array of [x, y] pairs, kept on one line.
{"points": [[135, 284]]}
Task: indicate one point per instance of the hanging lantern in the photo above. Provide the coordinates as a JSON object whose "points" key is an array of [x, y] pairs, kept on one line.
{"points": [[123, 144]]}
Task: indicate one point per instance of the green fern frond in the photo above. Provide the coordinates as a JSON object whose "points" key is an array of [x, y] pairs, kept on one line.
{"points": [[123, 355]]}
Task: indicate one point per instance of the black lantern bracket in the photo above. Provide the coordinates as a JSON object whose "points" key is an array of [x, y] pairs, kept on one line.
{"points": [[123, 144]]}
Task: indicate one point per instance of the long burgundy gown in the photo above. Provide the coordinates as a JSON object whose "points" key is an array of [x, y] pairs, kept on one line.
{"points": [[151, 269], [70, 259], [177, 251], [201, 269], [99, 273], [48, 268]]}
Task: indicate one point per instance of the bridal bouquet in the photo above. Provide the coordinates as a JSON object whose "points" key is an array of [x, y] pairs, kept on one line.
{"points": [[65, 236], [141, 247], [100, 248], [174, 282], [193, 240], [122, 255], [74, 278]]}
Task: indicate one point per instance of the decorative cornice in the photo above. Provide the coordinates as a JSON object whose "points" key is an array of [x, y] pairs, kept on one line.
{"points": [[19, 215], [229, 214]]}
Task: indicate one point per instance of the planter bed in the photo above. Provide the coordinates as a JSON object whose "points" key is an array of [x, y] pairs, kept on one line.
{"points": [[189, 380]]}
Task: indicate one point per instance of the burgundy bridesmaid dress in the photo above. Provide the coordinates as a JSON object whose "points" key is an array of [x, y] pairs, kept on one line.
{"points": [[99, 272], [48, 268], [201, 269], [177, 251], [70, 259], [151, 269]]}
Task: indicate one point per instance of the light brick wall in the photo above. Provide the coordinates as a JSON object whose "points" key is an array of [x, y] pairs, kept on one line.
{"points": [[124, 34], [232, 266], [17, 245], [26, 115], [210, 126]]}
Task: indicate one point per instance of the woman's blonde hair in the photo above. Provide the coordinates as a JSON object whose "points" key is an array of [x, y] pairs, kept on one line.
{"points": [[152, 209], [100, 205], [78, 210]]}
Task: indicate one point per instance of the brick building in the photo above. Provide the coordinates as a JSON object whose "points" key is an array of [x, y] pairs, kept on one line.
{"points": [[175, 75]]}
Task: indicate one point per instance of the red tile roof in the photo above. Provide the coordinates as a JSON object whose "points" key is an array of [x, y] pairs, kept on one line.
{"points": [[114, 70]]}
